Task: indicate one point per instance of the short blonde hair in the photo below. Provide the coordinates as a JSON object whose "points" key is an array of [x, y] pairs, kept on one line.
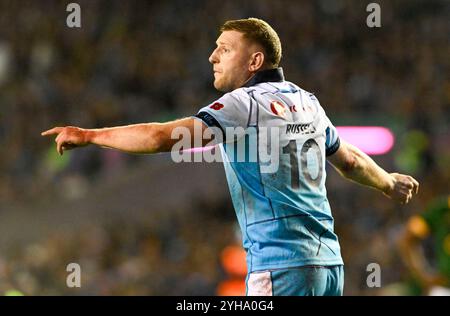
{"points": [[259, 32]]}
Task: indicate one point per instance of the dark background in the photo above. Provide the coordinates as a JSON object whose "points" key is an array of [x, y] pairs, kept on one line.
{"points": [[144, 225]]}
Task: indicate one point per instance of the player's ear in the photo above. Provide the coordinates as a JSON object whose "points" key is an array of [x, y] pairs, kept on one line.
{"points": [[256, 61]]}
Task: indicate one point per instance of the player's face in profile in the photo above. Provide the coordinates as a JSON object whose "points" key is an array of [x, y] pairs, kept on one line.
{"points": [[231, 61]]}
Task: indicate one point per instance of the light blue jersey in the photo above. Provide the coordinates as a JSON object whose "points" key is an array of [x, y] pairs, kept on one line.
{"points": [[277, 184]]}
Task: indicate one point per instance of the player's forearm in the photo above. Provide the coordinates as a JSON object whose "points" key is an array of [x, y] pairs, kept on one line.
{"points": [[365, 171], [138, 138]]}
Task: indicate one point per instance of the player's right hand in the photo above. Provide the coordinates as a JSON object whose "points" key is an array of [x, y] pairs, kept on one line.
{"points": [[403, 188], [68, 137]]}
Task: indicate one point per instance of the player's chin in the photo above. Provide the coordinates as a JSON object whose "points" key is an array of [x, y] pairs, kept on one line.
{"points": [[221, 86], [218, 85]]}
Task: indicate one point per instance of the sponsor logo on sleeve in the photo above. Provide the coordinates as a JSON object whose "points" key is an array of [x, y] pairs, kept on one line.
{"points": [[278, 108]]}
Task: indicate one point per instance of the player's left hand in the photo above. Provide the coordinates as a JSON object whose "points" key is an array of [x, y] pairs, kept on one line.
{"points": [[403, 188]]}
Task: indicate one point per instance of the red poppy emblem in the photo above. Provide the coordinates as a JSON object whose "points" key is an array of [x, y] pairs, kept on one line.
{"points": [[216, 106]]}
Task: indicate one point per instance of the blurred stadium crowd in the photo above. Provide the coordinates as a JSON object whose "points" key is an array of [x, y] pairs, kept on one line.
{"points": [[141, 61]]}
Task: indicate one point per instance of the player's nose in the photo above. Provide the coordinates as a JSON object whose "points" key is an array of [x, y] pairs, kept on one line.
{"points": [[213, 58]]}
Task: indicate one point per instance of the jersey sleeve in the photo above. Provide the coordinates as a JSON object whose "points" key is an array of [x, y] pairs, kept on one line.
{"points": [[229, 114], [332, 141]]}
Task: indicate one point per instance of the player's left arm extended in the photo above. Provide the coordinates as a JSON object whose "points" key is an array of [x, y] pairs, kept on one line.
{"points": [[145, 138], [355, 165]]}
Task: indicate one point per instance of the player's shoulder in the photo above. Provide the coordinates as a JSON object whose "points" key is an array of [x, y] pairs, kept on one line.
{"points": [[237, 96], [292, 87], [308, 99], [308, 94], [231, 103], [242, 92]]}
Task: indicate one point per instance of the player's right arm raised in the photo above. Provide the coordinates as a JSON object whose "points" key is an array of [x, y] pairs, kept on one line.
{"points": [[145, 138], [355, 165]]}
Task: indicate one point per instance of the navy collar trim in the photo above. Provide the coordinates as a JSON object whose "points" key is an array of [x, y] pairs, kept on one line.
{"points": [[268, 75]]}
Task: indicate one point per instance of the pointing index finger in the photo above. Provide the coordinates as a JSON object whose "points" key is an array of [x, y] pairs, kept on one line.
{"points": [[55, 130]]}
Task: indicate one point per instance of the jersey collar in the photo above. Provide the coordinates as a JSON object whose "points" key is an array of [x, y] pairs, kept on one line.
{"points": [[268, 75]]}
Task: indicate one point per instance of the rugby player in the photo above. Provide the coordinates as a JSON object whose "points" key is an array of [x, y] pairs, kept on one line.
{"points": [[284, 214]]}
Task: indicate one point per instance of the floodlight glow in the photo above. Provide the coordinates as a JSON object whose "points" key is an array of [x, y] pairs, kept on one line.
{"points": [[373, 140], [198, 149]]}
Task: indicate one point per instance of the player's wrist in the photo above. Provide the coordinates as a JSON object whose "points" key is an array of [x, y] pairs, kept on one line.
{"points": [[89, 136], [389, 185]]}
